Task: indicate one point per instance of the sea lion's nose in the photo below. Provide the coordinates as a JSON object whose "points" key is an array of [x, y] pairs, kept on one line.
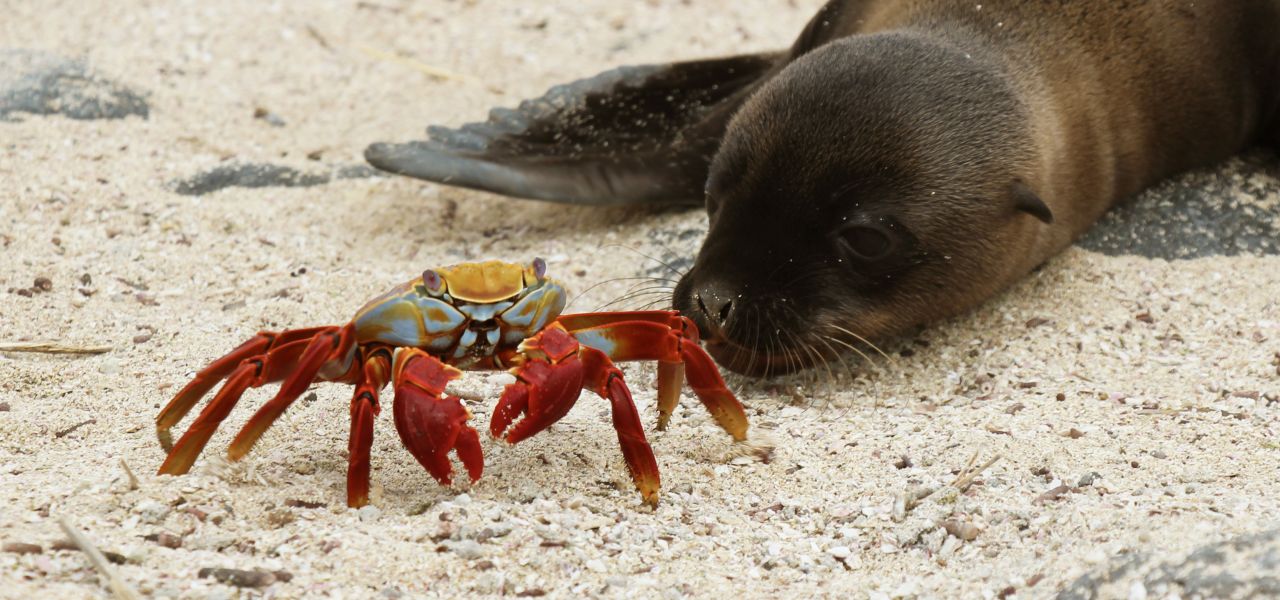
{"points": [[715, 302]]}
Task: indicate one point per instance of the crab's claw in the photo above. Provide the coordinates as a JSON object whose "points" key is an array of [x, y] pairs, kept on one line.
{"points": [[556, 370], [431, 423], [547, 386]]}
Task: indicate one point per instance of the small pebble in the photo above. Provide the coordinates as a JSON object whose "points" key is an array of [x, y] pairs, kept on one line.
{"points": [[43, 284], [965, 531], [168, 540], [468, 549], [4, 407], [238, 577], [369, 513], [151, 511], [1051, 495], [22, 548], [271, 118], [840, 552], [279, 518]]}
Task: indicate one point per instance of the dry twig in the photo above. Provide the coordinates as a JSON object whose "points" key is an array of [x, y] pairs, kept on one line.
{"points": [[51, 348], [118, 587], [409, 62], [133, 479]]}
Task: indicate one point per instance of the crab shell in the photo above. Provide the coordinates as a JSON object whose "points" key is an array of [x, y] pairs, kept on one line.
{"points": [[464, 313]]}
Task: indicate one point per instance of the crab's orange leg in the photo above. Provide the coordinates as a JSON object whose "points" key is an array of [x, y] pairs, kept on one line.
{"points": [[671, 340], [364, 409], [253, 371], [331, 344], [429, 422], [182, 403]]}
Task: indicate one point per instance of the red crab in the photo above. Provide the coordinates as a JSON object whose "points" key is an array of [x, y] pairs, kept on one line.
{"points": [[421, 334]]}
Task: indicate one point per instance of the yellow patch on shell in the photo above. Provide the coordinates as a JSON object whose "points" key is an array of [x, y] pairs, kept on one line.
{"points": [[483, 282]]}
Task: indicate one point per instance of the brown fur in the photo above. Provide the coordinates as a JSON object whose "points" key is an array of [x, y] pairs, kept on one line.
{"points": [[937, 108]]}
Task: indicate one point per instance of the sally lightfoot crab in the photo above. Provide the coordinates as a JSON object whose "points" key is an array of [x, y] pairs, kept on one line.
{"points": [[422, 334]]}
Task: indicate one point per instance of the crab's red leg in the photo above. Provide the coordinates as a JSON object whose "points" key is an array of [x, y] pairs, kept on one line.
{"points": [[185, 400], [431, 425], [670, 339], [254, 371], [331, 344], [364, 409], [605, 379]]}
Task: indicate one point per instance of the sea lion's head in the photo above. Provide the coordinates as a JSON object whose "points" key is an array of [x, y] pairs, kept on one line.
{"points": [[874, 184]]}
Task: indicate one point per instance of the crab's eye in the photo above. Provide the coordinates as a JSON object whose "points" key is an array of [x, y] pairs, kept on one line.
{"points": [[433, 282], [539, 267], [867, 243]]}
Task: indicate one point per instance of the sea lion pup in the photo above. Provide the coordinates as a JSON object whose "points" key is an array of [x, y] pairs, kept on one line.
{"points": [[901, 163]]}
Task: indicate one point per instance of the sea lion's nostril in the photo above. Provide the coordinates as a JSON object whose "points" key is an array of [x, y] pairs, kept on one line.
{"points": [[715, 305], [725, 311]]}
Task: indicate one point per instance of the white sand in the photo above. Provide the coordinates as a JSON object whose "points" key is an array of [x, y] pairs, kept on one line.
{"points": [[1173, 415]]}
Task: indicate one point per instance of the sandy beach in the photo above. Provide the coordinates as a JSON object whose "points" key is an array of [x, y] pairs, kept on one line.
{"points": [[1130, 403]]}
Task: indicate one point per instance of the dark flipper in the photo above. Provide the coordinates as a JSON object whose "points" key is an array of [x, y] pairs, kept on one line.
{"points": [[630, 135], [633, 135]]}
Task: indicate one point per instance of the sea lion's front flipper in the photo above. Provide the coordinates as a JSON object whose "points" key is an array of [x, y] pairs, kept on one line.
{"points": [[630, 135]]}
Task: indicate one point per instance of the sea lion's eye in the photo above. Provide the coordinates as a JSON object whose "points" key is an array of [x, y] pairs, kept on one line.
{"points": [[867, 242]]}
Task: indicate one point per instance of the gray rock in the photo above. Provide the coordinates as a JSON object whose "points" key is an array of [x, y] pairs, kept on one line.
{"points": [[257, 175], [1245, 567], [1211, 212], [41, 83]]}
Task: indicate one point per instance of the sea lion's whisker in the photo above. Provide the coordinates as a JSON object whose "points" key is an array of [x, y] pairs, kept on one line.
{"points": [[863, 340], [852, 375], [853, 348], [593, 286], [662, 291], [652, 258]]}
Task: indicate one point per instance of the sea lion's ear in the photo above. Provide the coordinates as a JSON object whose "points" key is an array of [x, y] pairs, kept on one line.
{"points": [[1029, 202], [632, 135], [822, 28]]}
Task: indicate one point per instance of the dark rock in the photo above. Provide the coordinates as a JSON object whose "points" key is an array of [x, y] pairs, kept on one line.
{"points": [[1245, 567], [47, 84], [257, 175], [1213, 212]]}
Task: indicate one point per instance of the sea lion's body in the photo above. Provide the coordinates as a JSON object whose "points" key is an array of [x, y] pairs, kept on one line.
{"points": [[902, 162]]}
